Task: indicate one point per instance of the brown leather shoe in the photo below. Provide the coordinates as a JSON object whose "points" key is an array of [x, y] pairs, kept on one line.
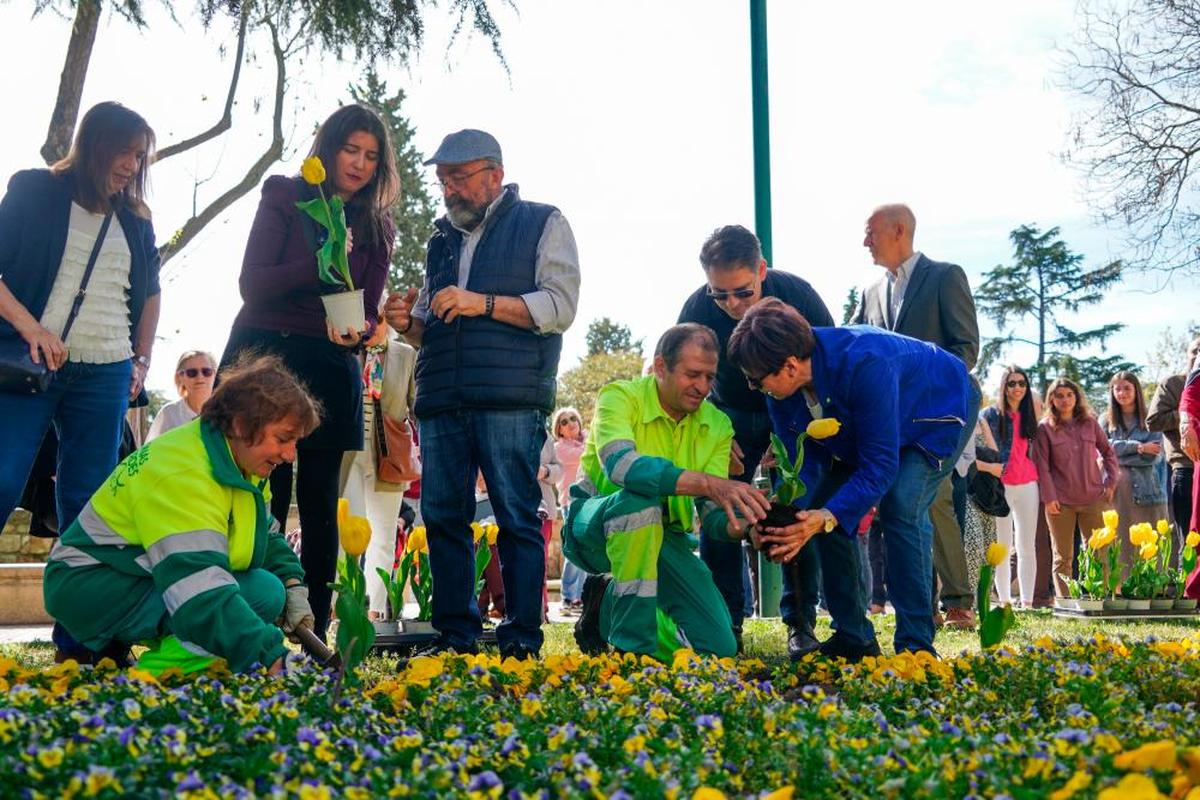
{"points": [[938, 620], [961, 618]]}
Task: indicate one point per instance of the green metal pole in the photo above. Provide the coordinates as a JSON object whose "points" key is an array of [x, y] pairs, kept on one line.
{"points": [[770, 576]]}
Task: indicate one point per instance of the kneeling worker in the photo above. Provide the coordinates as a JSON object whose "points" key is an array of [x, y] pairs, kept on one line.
{"points": [[657, 452], [177, 549]]}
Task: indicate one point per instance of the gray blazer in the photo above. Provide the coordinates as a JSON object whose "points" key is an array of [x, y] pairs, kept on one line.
{"points": [[937, 308]]}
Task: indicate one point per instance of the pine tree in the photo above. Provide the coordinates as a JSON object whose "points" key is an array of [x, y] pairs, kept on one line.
{"points": [[1044, 280], [415, 209]]}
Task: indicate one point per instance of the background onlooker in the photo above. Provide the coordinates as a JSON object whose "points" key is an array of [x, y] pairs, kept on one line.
{"points": [[1073, 487], [569, 441], [1012, 426], [1140, 495], [1163, 416], [979, 531], [195, 373], [388, 390]]}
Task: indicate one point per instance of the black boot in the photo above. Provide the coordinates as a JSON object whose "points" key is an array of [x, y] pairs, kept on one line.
{"points": [[587, 627], [838, 646], [801, 640]]}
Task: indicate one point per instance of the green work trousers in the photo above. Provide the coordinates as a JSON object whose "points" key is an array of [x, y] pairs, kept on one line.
{"points": [[662, 596], [98, 606]]}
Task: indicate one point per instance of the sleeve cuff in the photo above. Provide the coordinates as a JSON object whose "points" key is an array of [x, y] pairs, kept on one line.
{"points": [[669, 480], [542, 311]]}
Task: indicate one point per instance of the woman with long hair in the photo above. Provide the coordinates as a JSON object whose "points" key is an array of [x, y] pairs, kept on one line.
{"points": [[195, 373], [89, 207], [1140, 497], [1069, 444], [1013, 425], [282, 313], [569, 442]]}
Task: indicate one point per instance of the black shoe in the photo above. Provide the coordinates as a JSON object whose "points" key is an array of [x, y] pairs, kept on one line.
{"points": [[838, 646], [519, 652], [441, 647], [801, 641], [587, 628], [737, 637]]}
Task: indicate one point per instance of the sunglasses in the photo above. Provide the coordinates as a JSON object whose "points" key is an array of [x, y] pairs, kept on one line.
{"points": [[1015, 384], [193, 372], [723, 297]]}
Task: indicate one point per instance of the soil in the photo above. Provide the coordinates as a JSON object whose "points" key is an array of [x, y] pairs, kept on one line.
{"points": [[780, 516]]}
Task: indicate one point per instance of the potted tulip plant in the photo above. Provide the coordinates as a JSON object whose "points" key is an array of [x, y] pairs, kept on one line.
{"points": [[1140, 585], [355, 633], [1187, 563], [790, 487], [1164, 577], [1088, 591], [414, 571], [994, 622], [344, 304]]}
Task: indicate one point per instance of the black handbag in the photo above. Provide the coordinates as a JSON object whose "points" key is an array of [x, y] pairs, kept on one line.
{"points": [[18, 373], [986, 493]]}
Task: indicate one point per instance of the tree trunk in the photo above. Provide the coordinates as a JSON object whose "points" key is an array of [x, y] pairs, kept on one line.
{"points": [[70, 84]]}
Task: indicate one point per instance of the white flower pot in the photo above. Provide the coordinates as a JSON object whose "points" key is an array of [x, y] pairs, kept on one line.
{"points": [[1090, 604], [1139, 604], [1066, 603], [417, 626], [1162, 603], [386, 627], [345, 310], [1185, 604], [1116, 604]]}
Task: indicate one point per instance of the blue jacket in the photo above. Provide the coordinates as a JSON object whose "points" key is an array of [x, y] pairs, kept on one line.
{"points": [[34, 217], [889, 392]]}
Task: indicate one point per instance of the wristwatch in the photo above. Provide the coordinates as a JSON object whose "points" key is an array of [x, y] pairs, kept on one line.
{"points": [[143, 360], [830, 520]]}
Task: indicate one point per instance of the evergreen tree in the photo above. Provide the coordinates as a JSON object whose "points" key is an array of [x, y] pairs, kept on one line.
{"points": [[579, 386], [1044, 280], [606, 336], [415, 209], [850, 306]]}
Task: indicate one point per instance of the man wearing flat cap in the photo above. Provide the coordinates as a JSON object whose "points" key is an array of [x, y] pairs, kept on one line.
{"points": [[501, 287]]}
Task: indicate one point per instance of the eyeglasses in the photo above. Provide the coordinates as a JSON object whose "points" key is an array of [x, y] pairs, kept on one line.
{"points": [[1015, 383], [193, 372], [459, 181], [740, 294], [755, 384]]}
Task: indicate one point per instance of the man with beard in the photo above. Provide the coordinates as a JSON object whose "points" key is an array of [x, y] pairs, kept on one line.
{"points": [[737, 278], [501, 286], [656, 458]]}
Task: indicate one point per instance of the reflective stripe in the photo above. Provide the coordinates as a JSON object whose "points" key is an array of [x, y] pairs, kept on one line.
{"points": [[616, 446], [143, 561], [621, 468], [636, 588], [633, 521], [274, 527], [194, 648], [97, 529], [197, 583], [583, 487], [71, 556], [199, 541]]}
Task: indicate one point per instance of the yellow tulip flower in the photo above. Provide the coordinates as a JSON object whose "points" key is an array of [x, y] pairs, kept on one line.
{"points": [[996, 553], [312, 170], [823, 428], [1193, 539], [354, 535], [1111, 519], [492, 532], [416, 542], [343, 511], [1148, 551], [1163, 527], [477, 531]]}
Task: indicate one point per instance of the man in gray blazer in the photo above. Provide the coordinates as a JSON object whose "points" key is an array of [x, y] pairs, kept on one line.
{"points": [[928, 300]]}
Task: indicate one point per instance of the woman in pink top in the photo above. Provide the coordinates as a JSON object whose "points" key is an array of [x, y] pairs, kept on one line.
{"points": [[1076, 491], [1013, 424], [568, 446]]}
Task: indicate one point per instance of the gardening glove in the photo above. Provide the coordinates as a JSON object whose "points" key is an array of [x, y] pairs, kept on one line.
{"points": [[296, 610]]}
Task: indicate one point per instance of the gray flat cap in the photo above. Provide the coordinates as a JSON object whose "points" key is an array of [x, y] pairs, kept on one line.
{"points": [[467, 145]]}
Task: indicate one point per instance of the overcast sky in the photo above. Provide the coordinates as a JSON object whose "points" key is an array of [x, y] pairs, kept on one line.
{"points": [[634, 118]]}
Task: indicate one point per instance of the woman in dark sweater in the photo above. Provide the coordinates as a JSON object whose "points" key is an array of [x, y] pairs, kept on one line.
{"points": [[282, 313]]}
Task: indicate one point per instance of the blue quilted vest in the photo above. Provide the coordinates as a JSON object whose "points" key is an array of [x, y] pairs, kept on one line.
{"points": [[477, 362]]}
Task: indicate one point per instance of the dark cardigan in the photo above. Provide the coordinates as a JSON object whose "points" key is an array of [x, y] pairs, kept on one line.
{"points": [[35, 216]]}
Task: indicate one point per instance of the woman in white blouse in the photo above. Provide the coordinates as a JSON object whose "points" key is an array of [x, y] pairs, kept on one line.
{"points": [[194, 375]]}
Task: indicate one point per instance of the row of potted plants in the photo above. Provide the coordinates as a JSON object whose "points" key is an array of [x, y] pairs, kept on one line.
{"points": [[1151, 582]]}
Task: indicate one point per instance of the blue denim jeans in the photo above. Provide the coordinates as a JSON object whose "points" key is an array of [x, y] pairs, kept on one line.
{"points": [[726, 560], [86, 404], [506, 446], [572, 582]]}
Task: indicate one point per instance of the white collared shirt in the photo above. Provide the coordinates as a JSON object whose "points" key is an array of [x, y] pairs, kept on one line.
{"points": [[897, 285]]}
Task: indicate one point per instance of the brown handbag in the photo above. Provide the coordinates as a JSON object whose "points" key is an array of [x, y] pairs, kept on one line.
{"points": [[396, 456]]}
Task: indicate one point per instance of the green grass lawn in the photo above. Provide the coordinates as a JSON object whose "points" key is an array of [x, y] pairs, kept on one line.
{"points": [[764, 638]]}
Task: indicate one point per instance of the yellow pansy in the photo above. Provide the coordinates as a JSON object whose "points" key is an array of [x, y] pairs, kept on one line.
{"points": [[708, 793], [1133, 786], [1193, 539], [823, 428], [312, 170], [996, 553], [1155, 755], [1111, 519]]}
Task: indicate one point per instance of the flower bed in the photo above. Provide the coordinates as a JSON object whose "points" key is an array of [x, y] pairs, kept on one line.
{"points": [[1051, 720]]}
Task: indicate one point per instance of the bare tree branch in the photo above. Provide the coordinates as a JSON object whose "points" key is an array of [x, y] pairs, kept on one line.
{"points": [[70, 84], [226, 120], [256, 172]]}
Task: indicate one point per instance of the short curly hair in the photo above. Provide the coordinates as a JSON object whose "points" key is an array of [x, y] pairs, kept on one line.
{"points": [[255, 391]]}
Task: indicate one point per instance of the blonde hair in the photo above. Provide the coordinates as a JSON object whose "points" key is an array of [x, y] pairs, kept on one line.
{"points": [[560, 417], [187, 356]]}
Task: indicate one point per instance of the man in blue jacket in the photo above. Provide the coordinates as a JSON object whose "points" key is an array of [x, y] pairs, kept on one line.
{"points": [[903, 406]]}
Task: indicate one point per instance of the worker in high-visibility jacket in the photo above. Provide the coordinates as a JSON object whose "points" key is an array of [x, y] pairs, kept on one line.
{"points": [[177, 549], [656, 454]]}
